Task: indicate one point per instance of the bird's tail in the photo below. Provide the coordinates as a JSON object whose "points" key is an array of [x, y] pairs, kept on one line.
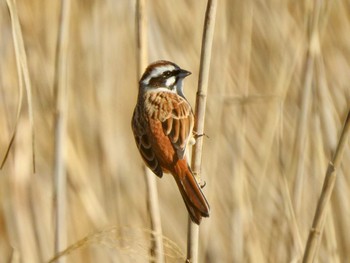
{"points": [[195, 201]]}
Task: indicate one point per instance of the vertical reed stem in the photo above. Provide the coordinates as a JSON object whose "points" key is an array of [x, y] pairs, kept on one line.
{"points": [[60, 119], [157, 248], [207, 41]]}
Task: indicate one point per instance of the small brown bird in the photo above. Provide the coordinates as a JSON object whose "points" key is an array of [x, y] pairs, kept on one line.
{"points": [[162, 124]]}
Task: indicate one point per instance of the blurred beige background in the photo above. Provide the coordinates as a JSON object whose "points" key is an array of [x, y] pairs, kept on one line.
{"points": [[271, 131]]}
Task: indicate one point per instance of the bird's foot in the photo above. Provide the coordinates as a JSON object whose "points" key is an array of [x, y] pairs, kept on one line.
{"points": [[202, 183]]}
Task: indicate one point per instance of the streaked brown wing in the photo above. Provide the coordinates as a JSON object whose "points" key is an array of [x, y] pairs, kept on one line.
{"points": [[143, 143], [176, 116]]}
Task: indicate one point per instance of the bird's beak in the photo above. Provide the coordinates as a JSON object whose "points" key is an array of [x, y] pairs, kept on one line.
{"points": [[184, 73]]}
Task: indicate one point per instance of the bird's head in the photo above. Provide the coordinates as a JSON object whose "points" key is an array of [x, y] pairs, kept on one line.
{"points": [[163, 75]]}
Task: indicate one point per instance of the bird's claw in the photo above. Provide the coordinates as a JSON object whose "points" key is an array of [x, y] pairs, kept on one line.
{"points": [[197, 135], [201, 183]]}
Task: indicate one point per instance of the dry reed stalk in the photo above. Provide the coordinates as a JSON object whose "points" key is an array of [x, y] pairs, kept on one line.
{"points": [[327, 189], [293, 224], [141, 36], [157, 247], [26, 241], [328, 126], [243, 219], [285, 80], [60, 122], [201, 96], [23, 79], [306, 100], [301, 133], [282, 89], [330, 131], [243, 206]]}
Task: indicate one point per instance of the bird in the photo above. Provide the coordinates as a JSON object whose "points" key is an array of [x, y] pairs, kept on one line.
{"points": [[162, 125]]}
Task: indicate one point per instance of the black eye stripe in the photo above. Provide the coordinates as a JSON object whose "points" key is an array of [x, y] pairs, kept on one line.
{"points": [[159, 80], [168, 73]]}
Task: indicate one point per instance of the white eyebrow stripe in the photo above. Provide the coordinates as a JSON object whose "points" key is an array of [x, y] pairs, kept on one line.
{"points": [[159, 70]]}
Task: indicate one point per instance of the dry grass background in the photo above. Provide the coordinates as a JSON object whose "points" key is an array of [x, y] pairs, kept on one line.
{"points": [[271, 132]]}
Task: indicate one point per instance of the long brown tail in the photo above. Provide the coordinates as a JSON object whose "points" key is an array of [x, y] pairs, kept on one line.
{"points": [[194, 199]]}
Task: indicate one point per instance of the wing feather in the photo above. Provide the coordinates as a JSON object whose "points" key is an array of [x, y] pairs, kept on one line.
{"points": [[168, 125], [176, 116], [174, 135], [144, 144]]}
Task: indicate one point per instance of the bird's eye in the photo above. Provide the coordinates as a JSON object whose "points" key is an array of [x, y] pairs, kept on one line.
{"points": [[166, 74]]}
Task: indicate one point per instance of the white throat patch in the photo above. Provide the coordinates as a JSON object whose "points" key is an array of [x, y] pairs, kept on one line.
{"points": [[170, 81]]}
